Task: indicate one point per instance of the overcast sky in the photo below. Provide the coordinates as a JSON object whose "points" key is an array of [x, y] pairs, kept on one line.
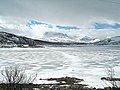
{"points": [[62, 11], [83, 13]]}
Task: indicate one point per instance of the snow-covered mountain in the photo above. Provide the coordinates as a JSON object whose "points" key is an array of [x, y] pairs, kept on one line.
{"points": [[110, 41], [87, 39], [57, 37], [60, 37], [116, 39], [12, 40], [36, 29]]}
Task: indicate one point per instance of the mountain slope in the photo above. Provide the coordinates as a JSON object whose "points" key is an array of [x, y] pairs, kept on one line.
{"points": [[109, 41], [8, 39], [11, 40], [57, 37]]}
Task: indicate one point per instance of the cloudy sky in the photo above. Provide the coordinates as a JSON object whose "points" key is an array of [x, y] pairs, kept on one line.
{"points": [[83, 13]]}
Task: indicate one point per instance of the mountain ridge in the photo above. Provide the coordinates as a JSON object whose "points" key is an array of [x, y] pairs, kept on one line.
{"points": [[12, 40], [109, 41]]}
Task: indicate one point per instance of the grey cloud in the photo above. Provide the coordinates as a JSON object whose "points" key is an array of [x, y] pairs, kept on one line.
{"points": [[61, 11]]}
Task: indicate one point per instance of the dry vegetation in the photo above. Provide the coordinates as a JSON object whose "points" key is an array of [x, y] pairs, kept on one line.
{"points": [[15, 78]]}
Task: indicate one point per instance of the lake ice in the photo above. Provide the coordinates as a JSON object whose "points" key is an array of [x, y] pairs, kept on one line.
{"points": [[86, 62]]}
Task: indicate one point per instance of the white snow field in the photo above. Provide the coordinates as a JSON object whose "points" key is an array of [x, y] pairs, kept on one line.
{"points": [[86, 62]]}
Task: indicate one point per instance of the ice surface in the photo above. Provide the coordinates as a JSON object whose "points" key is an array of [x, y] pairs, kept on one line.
{"points": [[85, 62]]}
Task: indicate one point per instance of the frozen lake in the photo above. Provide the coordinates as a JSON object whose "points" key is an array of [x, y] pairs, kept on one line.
{"points": [[86, 62]]}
